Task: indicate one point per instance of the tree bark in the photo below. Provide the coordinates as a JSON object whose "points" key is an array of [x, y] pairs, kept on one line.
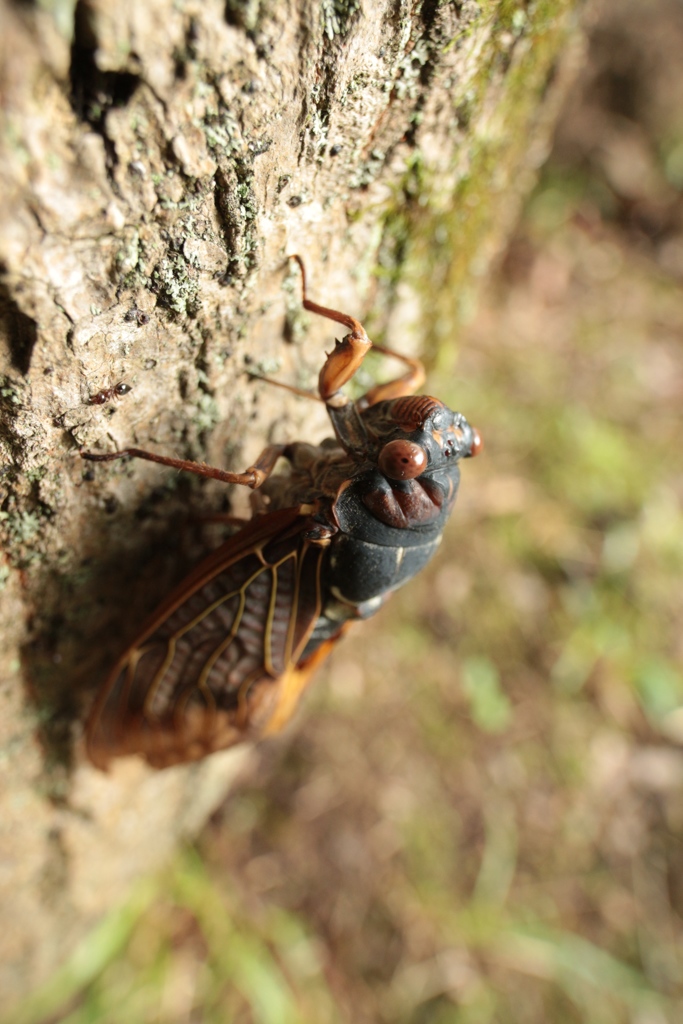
{"points": [[160, 160]]}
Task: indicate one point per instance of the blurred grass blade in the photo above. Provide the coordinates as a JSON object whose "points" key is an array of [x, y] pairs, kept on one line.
{"points": [[499, 861], [567, 959], [489, 704], [103, 945], [239, 954]]}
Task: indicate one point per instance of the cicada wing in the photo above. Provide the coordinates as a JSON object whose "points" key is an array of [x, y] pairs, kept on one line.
{"points": [[212, 664], [294, 682]]}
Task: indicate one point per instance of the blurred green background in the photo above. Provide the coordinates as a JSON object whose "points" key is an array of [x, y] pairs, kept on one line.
{"points": [[479, 819]]}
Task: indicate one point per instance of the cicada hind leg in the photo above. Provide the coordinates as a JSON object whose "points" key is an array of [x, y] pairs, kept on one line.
{"points": [[252, 477]]}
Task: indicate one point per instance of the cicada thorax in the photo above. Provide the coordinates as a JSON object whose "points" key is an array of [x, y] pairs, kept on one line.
{"points": [[315, 473], [374, 553]]}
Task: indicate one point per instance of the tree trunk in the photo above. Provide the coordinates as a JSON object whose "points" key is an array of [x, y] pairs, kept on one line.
{"points": [[160, 161]]}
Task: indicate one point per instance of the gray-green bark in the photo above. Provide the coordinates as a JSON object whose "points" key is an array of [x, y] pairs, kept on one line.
{"points": [[156, 174]]}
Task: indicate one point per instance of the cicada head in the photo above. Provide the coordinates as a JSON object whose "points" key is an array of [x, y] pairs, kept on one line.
{"points": [[418, 434]]}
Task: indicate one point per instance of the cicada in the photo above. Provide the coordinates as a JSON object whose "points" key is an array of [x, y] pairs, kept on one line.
{"points": [[227, 655]]}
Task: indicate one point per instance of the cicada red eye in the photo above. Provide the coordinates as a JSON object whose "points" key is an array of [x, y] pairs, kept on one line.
{"points": [[477, 442], [402, 460]]}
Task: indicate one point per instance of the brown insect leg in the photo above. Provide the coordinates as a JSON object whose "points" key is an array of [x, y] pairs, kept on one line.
{"points": [[287, 387], [342, 363], [407, 384], [252, 477]]}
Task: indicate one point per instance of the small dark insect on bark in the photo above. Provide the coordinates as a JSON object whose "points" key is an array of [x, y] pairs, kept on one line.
{"points": [[106, 394], [228, 654]]}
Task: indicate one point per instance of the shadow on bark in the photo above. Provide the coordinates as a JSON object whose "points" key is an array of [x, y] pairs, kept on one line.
{"points": [[20, 331], [87, 613]]}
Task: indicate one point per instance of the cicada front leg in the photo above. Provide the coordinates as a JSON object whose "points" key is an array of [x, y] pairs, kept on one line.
{"points": [[348, 354], [343, 363]]}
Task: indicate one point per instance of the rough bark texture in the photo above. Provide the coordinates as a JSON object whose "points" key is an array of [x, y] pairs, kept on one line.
{"points": [[160, 160]]}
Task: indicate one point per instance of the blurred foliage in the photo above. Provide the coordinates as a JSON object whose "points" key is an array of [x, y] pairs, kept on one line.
{"points": [[479, 820]]}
